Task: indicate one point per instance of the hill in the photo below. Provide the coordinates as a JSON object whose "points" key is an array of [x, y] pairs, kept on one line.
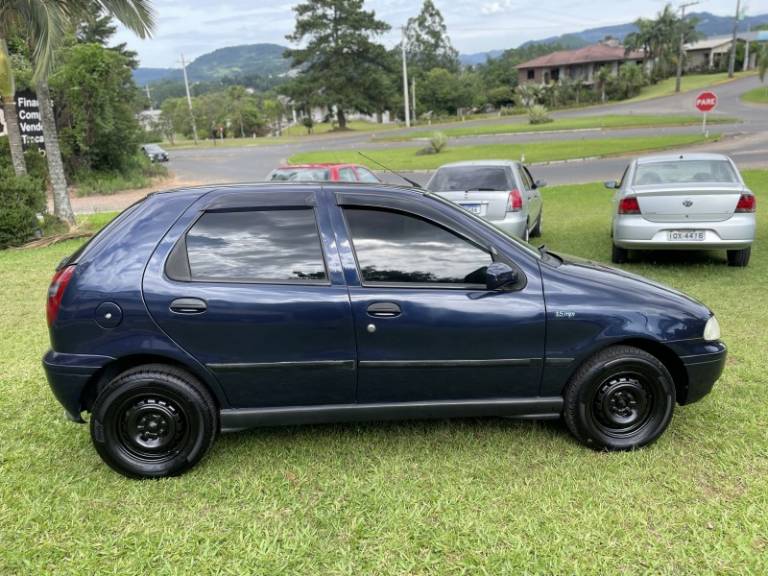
{"points": [[245, 60], [708, 25]]}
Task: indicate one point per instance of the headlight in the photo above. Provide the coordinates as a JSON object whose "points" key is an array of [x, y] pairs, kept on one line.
{"points": [[712, 330]]}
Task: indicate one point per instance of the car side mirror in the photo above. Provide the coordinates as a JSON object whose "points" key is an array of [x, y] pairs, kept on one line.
{"points": [[540, 184], [611, 184], [498, 275]]}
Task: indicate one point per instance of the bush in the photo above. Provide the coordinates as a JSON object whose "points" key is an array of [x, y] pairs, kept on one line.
{"points": [[438, 141], [538, 114], [139, 175], [22, 198], [36, 164]]}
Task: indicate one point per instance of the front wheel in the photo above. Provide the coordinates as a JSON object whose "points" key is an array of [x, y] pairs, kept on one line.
{"points": [[620, 399], [739, 258], [153, 421]]}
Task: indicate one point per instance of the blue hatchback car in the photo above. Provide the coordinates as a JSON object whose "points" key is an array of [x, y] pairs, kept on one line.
{"points": [[219, 309]]}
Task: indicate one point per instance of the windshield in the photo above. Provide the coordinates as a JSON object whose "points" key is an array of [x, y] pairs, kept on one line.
{"points": [[460, 178], [300, 175], [523, 245], [685, 172]]}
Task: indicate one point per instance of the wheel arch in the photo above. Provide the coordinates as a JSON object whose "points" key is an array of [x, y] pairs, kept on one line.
{"points": [[108, 372]]}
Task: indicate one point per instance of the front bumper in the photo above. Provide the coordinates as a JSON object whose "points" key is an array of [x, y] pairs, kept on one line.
{"points": [[634, 231], [703, 370], [68, 375]]}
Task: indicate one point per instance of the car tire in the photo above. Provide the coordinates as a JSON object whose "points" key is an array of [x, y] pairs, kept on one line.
{"points": [[739, 258], [153, 421], [620, 399], [536, 232], [619, 255]]}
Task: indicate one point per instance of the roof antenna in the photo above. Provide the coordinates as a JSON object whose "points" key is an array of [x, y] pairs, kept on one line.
{"points": [[411, 182]]}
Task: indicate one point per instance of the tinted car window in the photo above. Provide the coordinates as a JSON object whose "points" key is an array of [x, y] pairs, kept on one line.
{"points": [[469, 178], [684, 172], [366, 175], [527, 179], [300, 175], [256, 246], [398, 248], [347, 175]]}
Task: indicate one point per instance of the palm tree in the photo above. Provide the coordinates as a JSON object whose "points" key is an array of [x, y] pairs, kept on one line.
{"points": [[43, 23], [762, 64]]}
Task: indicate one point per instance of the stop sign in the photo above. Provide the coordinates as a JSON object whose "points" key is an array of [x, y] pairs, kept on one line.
{"points": [[706, 101]]}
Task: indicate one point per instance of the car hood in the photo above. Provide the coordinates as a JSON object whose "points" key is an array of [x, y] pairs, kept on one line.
{"points": [[623, 281]]}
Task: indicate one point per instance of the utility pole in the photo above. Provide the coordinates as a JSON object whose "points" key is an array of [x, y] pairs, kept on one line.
{"points": [[405, 84], [413, 99], [746, 50], [732, 60], [189, 99], [149, 96], [681, 52]]}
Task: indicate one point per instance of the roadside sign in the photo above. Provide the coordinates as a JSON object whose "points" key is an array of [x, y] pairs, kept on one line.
{"points": [[30, 126], [706, 102]]}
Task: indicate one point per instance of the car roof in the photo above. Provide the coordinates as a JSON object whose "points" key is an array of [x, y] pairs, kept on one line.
{"points": [[680, 157], [480, 163], [316, 165], [275, 186]]}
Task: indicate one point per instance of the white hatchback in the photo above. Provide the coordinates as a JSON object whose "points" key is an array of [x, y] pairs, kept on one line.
{"points": [[683, 202]]}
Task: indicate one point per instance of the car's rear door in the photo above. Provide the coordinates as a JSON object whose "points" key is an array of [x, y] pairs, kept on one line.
{"points": [[249, 283], [427, 329]]}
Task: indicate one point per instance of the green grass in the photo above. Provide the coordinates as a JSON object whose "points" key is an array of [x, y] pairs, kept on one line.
{"points": [[443, 498], [757, 95], [607, 122], [142, 175], [689, 82], [408, 159]]}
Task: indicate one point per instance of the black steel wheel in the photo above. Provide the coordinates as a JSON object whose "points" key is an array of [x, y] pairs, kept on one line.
{"points": [[621, 398], [619, 255], [153, 421], [739, 258]]}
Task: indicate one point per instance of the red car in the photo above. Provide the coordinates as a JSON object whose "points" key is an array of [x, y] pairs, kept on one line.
{"points": [[323, 173]]}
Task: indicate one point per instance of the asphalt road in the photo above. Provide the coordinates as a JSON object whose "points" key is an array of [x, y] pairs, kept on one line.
{"points": [[745, 142]]}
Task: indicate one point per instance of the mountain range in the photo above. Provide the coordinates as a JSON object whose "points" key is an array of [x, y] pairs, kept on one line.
{"points": [[267, 59]]}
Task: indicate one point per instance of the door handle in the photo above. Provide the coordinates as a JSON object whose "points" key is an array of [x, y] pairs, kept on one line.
{"points": [[384, 310], [188, 306]]}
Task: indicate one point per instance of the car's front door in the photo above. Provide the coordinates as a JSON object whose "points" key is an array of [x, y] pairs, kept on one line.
{"points": [[426, 326], [251, 286]]}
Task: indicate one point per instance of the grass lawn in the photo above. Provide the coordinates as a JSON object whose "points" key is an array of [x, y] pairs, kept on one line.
{"points": [[689, 82], [757, 95], [580, 123], [408, 159], [444, 498]]}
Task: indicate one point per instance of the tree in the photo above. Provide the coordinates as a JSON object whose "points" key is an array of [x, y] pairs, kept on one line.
{"points": [[7, 92], [762, 63], [427, 43], [340, 54], [43, 23], [444, 92]]}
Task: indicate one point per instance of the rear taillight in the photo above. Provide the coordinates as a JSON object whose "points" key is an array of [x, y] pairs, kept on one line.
{"points": [[629, 205], [747, 203], [56, 292], [515, 201]]}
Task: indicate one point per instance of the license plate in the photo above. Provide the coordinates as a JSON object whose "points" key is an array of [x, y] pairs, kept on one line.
{"points": [[685, 235], [474, 208]]}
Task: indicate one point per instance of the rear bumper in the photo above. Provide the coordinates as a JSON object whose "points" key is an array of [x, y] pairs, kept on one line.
{"points": [[703, 371], [634, 231], [68, 374], [513, 223]]}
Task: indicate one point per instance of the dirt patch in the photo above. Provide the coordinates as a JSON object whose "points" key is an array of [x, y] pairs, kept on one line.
{"points": [[121, 200]]}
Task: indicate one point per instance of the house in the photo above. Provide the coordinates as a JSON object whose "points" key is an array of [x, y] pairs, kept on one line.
{"points": [[713, 53], [581, 64]]}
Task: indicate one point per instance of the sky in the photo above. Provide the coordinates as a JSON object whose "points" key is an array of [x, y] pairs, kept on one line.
{"points": [[196, 27]]}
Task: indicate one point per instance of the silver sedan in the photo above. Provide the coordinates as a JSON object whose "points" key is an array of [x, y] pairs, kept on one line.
{"points": [[500, 191], [683, 202]]}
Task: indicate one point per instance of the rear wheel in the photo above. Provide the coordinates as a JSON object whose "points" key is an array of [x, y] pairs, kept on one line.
{"points": [[739, 258], [619, 255], [536, 232], [620, 399], [153, 421]]}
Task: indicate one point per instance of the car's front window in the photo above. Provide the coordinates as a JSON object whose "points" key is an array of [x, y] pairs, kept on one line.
{"points": [[462, 178], [392, 247], [684, 172]]}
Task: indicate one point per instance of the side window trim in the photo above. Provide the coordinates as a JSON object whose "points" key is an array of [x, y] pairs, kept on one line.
{"points": [[411, 285], [177, 267]]}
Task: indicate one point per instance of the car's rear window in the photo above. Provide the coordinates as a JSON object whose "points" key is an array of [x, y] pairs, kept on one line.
{"points": [[469, 178], [684, 172], [300, 175]]}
